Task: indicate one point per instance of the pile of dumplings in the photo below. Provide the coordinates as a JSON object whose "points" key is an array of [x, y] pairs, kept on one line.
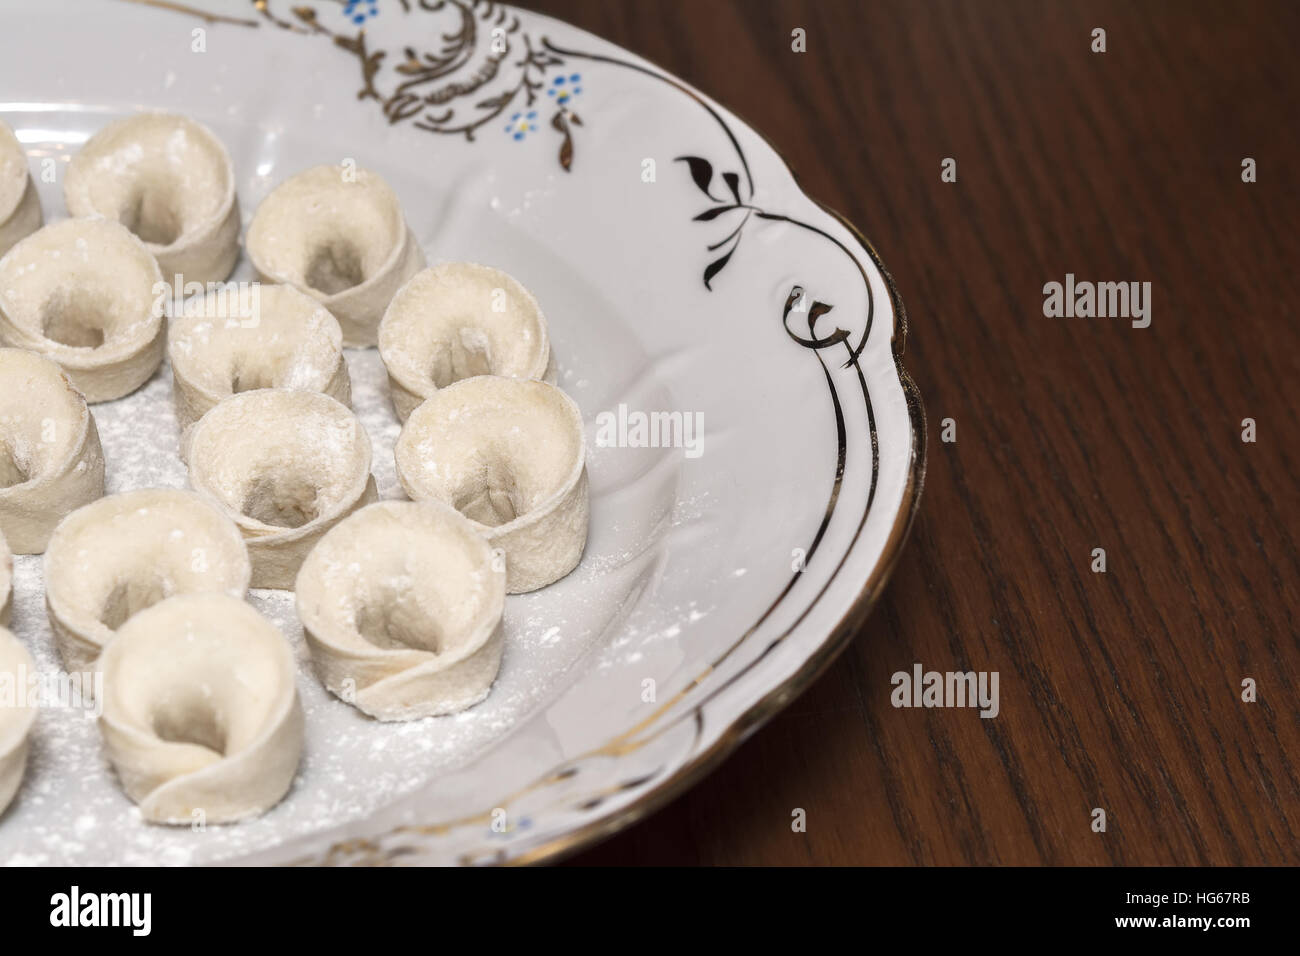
{"points": [[400, 601]]}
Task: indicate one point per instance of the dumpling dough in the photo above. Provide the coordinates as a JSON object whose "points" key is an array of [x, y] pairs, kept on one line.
{"points": [[457, 320], [20, 206], [112, 559], [6, 582], [84, 293], [201, 712], [401, 605], [285, 466], [338, 234], [221, 347], [169, 180], [50, 459], [16, 714], [509, 455]]}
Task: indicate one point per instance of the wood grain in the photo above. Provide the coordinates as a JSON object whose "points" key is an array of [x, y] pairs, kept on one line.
{"points": [[1119, 690]]}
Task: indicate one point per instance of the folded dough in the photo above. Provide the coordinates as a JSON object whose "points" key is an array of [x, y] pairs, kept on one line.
{"points": [[84, 293], [117, 556], [508, 454], [169, 180], [401, 606], [20, 206], [201, 715], [285, 466], [288, 341], [6, 581], [17, 713], [456, 320], [50, 459], [338, 234]]}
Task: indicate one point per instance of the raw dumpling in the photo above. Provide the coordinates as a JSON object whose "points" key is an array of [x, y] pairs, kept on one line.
{"points": [[86, 294], [337, 233], [117, 556], [50, 459], [401, 606], [457, 320], [508, 454], [285, 466], [283, 339], [201, 715], [169, 180]]}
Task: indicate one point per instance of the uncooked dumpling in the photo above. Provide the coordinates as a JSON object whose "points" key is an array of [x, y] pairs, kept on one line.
{"points": [[16, 713], [401, 605], [508, 454], [285, 466], [20, 206], [50, 459], [6, 582], [457, 320], [117, 556], [337, 233], [85, 294], [169, 180], [277, 338], [201, 715]]}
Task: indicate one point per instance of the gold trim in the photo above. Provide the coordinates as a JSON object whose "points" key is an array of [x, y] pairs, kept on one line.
{"points": [[194, 12]]}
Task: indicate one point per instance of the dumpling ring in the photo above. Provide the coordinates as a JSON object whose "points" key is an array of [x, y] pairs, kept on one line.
{"points": [[286, 340], [115, 557], [86, 294], [457, 320], [285, 466], [169, 180], [6, 582], [20, 206], [51, 462], [338, 234], [201, 716], [509, 455], [17, 714], [401, 606]]}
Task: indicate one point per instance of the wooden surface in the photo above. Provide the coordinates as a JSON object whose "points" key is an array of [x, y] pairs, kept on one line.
{"points": [[1120, 690]]}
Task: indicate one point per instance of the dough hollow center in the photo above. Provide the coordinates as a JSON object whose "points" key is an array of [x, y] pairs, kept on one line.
{"points": [[153, 215], [335, 267], [494, 500], [248, 377], [13, 469], [73, 317], [464, 356], [394, 622], [129, 599], [282, 499], [188, 719]]}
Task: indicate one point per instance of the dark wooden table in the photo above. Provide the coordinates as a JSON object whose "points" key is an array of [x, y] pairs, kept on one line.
{"points": [[1119, 690]]}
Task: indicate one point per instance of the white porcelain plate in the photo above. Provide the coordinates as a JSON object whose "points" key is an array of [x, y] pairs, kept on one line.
{"points": [[682, 271]]}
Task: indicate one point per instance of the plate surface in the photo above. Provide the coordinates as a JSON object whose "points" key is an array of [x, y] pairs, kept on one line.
{"points": [[681, 269]]}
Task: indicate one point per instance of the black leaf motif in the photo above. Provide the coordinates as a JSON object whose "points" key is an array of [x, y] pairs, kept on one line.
{"points": [[733, 183], [701, 172], [713, 213], [715, 267], [816, 312]]}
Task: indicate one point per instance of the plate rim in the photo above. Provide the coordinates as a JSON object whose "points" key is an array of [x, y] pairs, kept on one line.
{"points": [[836, 637], [840, 635]]}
